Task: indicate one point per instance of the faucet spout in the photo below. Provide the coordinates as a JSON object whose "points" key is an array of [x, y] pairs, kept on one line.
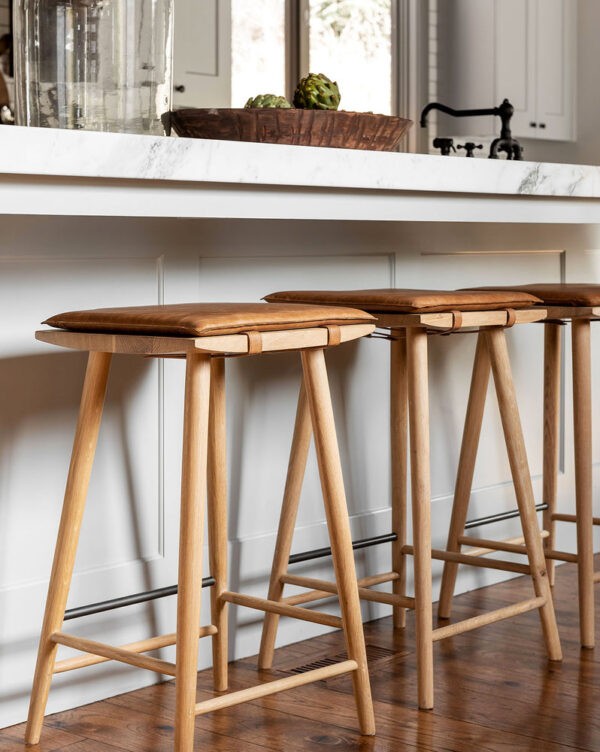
{"points": [[436, 106], [459, 113]]}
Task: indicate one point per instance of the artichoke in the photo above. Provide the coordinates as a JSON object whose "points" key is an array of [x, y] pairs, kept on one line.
{"points": [[270, 101], [317, 92]]}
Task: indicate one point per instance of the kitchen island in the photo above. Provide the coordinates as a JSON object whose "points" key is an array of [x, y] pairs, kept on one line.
{"points": [[90, 220]]}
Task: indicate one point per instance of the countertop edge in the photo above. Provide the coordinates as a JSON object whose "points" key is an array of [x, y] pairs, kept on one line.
{"points": [[111, 156]]}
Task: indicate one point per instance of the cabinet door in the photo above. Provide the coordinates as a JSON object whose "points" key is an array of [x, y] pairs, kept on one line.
{"points": [[202, 53], [556, 69], [515, 60], [536, 66]]}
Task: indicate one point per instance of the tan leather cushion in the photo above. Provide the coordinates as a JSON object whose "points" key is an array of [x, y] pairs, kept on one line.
{"points": [[201, 319], [410, 301], [560, 294]]}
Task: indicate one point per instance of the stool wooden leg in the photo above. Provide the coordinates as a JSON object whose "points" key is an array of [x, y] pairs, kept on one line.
{"points": [[217, 519], [519, 465], [552, 345], [82, 458], [582, 412], [466, 467], [287, 523], [398, 447], [193, 495], [330, 471], [418, 410]]}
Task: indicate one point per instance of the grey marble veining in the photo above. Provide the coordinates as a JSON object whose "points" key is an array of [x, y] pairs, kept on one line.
{"points": [[62, 153]]}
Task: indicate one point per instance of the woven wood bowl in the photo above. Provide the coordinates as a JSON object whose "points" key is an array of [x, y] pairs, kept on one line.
{"points": [[348, 130]]}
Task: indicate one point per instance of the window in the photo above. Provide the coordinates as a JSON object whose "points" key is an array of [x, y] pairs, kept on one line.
{"points": [[351, 42], [258, 49], [275, 42]]}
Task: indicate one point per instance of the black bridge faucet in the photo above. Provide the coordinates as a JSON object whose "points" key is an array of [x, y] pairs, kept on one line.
{"points": [[506, 143]]}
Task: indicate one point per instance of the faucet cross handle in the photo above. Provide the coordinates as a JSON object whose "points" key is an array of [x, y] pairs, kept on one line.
{"points": [[469, 148], [445, 145]]}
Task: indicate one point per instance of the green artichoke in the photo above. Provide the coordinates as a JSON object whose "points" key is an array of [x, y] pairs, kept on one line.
{"points": [[317, 92], [263, 101]]}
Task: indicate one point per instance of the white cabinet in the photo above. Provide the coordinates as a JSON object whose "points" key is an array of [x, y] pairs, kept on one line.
{"points": [[522, 50], [535, 65], [515, 59], [202, 53], [557, 69]]}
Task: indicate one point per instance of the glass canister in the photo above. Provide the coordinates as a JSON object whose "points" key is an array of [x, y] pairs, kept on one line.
{"points": [[101, 65]]}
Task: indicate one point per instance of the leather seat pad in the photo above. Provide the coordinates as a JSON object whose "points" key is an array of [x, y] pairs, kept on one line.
{"points": [[411, 301], [203, 319], [559, 293]]}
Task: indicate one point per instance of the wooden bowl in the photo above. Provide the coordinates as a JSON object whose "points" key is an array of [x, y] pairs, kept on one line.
{"points": [[348, 130]]}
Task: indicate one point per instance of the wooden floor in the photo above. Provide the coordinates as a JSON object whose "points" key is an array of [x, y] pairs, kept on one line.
{"points": [[495, 692]]}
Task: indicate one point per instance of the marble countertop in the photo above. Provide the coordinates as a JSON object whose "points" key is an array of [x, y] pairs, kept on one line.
{"points": [[111, 156]]}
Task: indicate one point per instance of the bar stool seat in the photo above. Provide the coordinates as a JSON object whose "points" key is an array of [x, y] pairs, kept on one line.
{"points": [[579, 304], [397, 300], [411, 315], [204, 319], [555, 293], [205, 334]]}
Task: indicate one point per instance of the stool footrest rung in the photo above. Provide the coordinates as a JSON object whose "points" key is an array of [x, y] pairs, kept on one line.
{"points": [[114, 653], [490, 617], [281, 608], [474, 561], [320, 595], [562, 556], [483, 546], [511, 547], [143, 646], [363, 592], [270, 688], [558, 517]]}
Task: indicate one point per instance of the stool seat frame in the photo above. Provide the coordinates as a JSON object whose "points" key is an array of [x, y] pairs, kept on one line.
{"points": [[203, 479]]}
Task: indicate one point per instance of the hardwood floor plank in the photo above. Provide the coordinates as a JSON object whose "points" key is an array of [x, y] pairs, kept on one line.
{"points": [[111, 724], [275, 730], [495, 692], [55, 740], [405, 726], [87, 745]]}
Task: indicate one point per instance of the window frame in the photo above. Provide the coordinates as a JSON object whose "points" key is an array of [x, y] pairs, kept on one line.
{"points": [[297, 39], [409, 59]]}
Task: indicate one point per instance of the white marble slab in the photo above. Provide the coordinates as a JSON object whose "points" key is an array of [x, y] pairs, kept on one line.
{"points": [[63, 153]]}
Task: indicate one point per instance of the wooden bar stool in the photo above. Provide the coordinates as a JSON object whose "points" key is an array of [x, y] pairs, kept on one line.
{"points": [[578, 304], [204, 334], [410, 316]]}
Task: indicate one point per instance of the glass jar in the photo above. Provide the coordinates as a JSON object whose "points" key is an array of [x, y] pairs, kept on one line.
{"points": [[101, 65]]}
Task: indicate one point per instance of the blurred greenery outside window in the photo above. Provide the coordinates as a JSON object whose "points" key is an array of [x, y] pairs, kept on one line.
{"points": [[274, 42]]}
